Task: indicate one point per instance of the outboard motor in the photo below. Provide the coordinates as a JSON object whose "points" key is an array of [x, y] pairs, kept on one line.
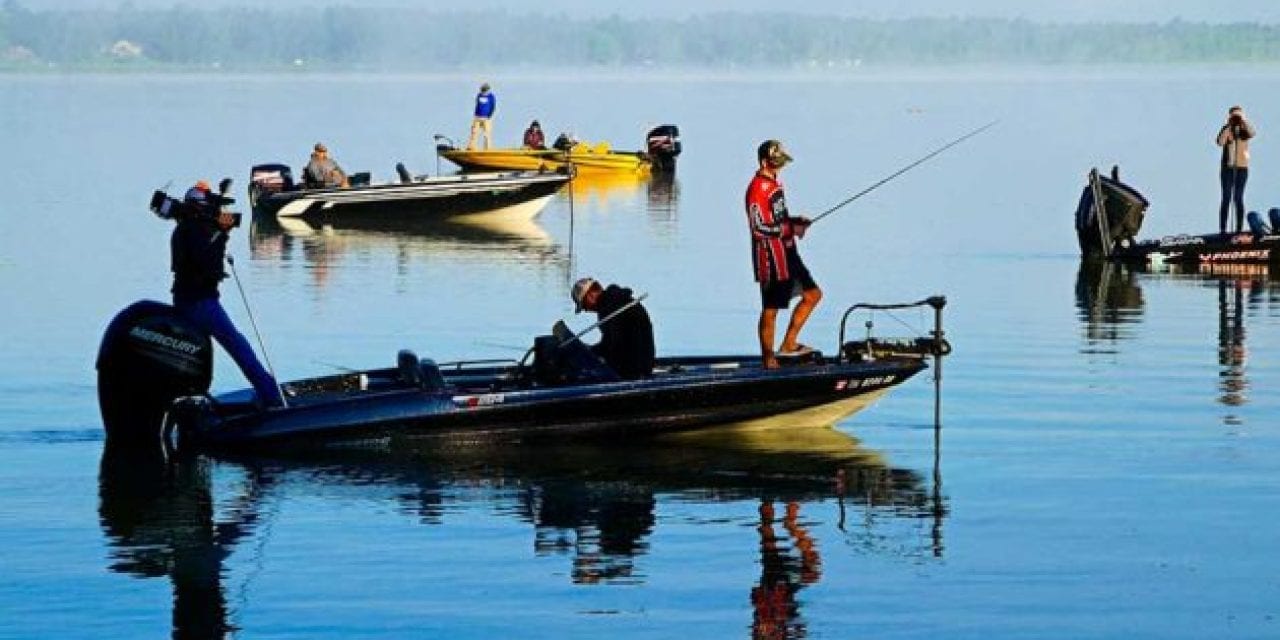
{"points": [[265, 179], [1123, 210], [149, 356], [663, 146]]}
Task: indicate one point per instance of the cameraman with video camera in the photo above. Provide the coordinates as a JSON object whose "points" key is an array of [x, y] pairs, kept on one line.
{"points": [[198, 248], [1234, 139]]}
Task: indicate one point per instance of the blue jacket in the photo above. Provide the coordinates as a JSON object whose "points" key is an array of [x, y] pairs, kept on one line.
{"points": [[486, 103]]}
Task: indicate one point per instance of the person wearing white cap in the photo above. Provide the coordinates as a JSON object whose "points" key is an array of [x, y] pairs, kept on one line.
{"points": [[626, 342]]}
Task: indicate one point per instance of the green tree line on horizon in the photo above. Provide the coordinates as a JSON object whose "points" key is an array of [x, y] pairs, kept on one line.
{"points": [[413, 39]]}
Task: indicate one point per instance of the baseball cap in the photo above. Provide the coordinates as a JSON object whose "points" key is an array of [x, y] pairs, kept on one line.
{"points": [[772, 151], [320, 147], [579, 291]]}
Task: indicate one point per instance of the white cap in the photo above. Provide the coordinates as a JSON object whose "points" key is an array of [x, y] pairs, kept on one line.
{"points": [[579, 291]]}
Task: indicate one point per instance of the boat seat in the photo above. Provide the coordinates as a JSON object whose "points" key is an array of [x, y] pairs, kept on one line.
{"points": [[404, 174], [421, 373]]}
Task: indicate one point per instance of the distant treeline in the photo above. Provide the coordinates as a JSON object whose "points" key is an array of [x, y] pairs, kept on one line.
{"points": [[416, 40]]}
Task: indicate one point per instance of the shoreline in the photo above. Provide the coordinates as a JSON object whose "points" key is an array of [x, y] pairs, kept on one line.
{"points": [[567, 75]]}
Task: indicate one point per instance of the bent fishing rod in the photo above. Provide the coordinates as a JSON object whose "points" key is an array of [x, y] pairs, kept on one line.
{"points": [[903, 170]]}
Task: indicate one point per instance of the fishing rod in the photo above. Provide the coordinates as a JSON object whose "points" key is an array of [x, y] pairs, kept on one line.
{"points": [[235, 276], [903, 170]]}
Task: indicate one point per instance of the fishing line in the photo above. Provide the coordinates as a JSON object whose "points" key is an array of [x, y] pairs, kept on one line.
{"points": [[904, 170], [262, 345]]}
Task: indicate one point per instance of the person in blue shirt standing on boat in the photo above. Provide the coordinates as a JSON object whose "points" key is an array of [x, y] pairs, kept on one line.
{"points": [[198, 248], [1234, 137], [778, 268], [482, 123]]}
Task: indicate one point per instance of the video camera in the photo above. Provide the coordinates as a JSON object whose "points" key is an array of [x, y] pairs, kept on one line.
{"points": [[209, 207]]}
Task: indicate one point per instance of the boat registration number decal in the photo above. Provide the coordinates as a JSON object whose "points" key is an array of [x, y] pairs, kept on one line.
{"points": [[858, 383], [483, 400]]}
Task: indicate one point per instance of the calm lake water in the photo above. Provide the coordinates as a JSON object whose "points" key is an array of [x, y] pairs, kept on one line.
{"points": [[1108, 464]]}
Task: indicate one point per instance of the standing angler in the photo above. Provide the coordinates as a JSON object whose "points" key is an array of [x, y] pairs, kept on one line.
{"points": [[486, 104], [779, 270]]}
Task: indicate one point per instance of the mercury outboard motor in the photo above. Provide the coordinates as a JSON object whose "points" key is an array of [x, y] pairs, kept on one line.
{"points": [[663, 145], [149, 356]]}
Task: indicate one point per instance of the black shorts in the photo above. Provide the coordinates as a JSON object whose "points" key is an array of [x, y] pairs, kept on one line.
{"points": [[777, 294]]}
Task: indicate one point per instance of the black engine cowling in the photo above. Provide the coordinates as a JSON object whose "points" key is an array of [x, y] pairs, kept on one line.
{"points": [[149, 356], [663, 146], [1123, 207]]}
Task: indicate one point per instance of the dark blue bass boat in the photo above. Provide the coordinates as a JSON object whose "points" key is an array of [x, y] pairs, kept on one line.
{"points": [[1110, 213], [154, 374]]}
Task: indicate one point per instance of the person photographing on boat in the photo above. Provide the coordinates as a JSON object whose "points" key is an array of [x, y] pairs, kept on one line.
{"points": [[198, 249], [626, 342], [1234, 137], [322, 171], [781, 273], [482, 121]]}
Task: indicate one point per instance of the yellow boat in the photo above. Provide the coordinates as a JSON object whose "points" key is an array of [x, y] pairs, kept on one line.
{"points": [[584, 159]]}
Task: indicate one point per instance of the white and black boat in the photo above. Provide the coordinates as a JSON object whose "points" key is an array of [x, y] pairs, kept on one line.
{"points": [[468, 197], [1110, 214], [154, 373]]}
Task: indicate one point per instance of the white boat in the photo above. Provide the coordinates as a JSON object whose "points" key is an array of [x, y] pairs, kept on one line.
{"points": [[516, 195]]}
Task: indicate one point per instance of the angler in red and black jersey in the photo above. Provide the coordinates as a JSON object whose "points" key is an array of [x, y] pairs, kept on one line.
{"points": [[778, 267]]}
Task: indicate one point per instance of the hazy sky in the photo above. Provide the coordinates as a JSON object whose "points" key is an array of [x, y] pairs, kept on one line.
{"points": [[1039, 10]]}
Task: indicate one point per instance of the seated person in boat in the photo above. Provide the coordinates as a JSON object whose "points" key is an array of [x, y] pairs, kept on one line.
{"points": [[626, 342], [534, 138], [564, 141], [322, 171]]}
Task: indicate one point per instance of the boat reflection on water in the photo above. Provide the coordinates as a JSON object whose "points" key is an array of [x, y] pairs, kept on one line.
{"points": [[159, 519], [606, 194], [1110, 300], [322, 247], [592, 502], [606, 190]]}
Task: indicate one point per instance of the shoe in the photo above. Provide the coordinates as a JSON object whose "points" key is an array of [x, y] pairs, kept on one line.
{"points": [[800, 350]]}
